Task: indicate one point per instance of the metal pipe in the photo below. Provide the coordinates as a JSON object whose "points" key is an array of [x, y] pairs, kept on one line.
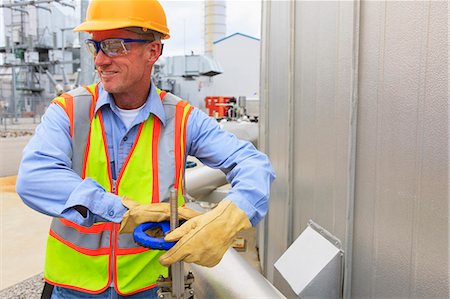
{"points": [[244, 130], [59, 89], [233, 277], [77, 78], [34, 2], [44, 8], [24, 3], [65, 4], [21, 10], [66, 83], [203, 180]]}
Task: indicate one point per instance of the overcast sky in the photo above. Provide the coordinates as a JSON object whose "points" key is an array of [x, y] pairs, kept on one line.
{"points": [[185, 21]]}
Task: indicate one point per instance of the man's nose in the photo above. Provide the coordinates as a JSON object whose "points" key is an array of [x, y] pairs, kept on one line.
{"points": [[101, 59]]}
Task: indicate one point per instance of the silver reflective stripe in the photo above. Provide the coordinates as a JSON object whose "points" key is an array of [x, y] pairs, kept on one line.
{"points": [[166, 148], [90, 241], [126, 241], [82, 100]]}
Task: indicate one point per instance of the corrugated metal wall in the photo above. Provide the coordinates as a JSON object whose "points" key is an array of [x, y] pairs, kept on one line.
{"points": [[355, 120]]}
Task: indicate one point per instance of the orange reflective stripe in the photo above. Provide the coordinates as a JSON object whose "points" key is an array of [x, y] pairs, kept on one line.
{"points": [[105, 144], [161, 93], [186, 111], [137, 291], [156, 132], [60, 101], [92, 252], [125, 251], [86, 155], [94, 229], [69, 109], [178, 112], [65, 101], [92, 89], [182, 111]]}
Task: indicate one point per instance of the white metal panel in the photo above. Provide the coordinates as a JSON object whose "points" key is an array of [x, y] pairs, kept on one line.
{"points": [[402, 199], [322, 106], [309, 93], [276, 128], [401, 216]]}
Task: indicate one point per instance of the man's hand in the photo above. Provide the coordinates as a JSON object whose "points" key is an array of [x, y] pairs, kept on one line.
{"points": [[139, 213], [203, 240]]}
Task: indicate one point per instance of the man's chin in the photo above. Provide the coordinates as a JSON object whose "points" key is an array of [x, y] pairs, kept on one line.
{"points": [[109, 87]]}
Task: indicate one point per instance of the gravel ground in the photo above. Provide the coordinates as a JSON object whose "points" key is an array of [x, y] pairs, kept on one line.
{"points": [[30, 288], [15, 133]]}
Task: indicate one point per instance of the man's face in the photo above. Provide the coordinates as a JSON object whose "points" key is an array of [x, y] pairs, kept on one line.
{"points": [[130, 73]]}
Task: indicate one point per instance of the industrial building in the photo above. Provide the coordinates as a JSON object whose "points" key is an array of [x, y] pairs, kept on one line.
{"points": [[353, 107], [239, 56], [33, 56]]}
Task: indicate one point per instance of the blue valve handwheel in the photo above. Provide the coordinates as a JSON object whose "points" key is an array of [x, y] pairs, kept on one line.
{"points": [[147, 241]]}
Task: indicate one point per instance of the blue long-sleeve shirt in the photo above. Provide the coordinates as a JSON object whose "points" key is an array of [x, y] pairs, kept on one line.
{"points": [[47, 183]]}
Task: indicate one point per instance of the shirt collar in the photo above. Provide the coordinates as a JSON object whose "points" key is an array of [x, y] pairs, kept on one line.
{"points": [[153, 104]]}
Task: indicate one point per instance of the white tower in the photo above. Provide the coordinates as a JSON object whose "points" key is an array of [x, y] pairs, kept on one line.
{"points": [[215, 23]]}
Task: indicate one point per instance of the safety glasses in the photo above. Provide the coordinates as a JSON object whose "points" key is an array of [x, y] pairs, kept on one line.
{"points": [[112, 47]]}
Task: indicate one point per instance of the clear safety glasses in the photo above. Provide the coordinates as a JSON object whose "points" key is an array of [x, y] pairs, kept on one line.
{"points": [[112, 47]]}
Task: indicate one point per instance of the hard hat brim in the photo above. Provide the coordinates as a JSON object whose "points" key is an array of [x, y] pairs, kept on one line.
{"points": [[90, 26]]}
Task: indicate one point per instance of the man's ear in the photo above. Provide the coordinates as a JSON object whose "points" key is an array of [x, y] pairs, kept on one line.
{"points": [[155, 51]]}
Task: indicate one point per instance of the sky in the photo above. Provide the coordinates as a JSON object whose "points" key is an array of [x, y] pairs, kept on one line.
{"points": [[185, 21]]}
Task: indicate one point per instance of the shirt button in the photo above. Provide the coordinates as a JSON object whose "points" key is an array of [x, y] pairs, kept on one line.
{"points": [[111, 213], [125, 138]]}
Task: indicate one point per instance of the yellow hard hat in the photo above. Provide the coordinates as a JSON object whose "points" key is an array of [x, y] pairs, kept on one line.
{"points": [[115, 14]]}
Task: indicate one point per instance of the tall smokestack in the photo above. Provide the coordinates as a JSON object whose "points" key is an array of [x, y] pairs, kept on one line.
{"points": [[215, 23]]}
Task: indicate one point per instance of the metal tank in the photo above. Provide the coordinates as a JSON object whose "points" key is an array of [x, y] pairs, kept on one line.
{"points": [[354, 116]]}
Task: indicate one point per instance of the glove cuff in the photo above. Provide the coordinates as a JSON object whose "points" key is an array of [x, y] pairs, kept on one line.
{"points": [[236, 217]]}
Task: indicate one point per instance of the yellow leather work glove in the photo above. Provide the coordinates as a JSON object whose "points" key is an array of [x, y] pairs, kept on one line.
{"points": [[156, 212], [203, 240]]}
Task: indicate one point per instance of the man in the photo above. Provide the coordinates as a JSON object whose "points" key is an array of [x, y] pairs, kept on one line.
{"points": [[106, 156]]}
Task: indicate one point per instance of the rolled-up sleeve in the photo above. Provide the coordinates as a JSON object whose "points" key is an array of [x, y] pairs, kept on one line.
{"points": [[47, 184], [248, 170]]}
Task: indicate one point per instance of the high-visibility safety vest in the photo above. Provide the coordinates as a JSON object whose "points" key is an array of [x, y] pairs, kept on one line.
{"points": [[88, 258]]}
